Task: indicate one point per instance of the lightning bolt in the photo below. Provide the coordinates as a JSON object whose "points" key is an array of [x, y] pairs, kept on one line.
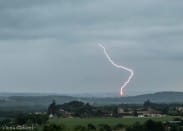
{"points": [[121, 67]]}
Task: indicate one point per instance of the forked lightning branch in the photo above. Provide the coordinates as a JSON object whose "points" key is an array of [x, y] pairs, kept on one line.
{"points": [[121, 67]]}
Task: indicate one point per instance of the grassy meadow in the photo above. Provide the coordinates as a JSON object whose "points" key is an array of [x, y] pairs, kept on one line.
{"points": [[72, 122]]}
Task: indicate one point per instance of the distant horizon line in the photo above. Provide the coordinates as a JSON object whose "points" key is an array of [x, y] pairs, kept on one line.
{"points": [[107, 94]]}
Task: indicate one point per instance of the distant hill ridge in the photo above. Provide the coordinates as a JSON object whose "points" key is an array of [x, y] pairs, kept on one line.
{"points": [[15, 99], [159, 97]]}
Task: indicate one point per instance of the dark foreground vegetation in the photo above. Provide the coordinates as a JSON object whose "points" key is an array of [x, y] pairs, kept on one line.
{"points": [[148, 125], [80, 116], [41, 123]]}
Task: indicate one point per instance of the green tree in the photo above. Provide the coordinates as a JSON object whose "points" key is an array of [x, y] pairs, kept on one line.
{"points": [[135, 113], [147, 104], [52, 108], [115, 111]]}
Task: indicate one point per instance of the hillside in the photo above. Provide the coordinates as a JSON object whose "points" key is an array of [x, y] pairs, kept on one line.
{"points": [[160, 97], [41, 102]]}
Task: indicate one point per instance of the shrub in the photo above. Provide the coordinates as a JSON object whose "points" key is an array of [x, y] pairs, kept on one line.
{"points": [[153, 126], [136, 127], [54, 127], [91, 127], [104, 127], [80, 128]]}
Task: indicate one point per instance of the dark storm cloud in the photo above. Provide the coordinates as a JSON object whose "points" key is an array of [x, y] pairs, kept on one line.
{"points": [[52, 45]]}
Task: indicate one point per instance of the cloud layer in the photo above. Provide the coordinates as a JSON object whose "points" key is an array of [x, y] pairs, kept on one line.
{"points": [[51, 46]]}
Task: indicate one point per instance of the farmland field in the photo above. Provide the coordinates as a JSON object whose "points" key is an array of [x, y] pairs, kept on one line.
{"points": [[72, 122]]}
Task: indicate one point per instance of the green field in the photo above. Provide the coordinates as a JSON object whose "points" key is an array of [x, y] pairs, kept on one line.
{"points": [[72, 122]]}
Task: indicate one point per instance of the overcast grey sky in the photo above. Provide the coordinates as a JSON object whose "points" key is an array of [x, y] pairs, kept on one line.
{"points": [[51, 45]]}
